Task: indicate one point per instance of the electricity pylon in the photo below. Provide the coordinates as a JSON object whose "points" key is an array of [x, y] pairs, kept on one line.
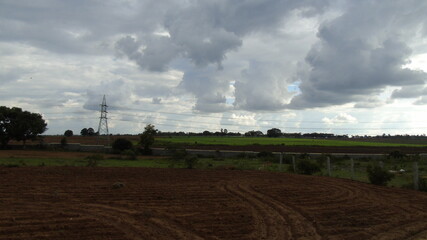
{"points": [[103, 123]]}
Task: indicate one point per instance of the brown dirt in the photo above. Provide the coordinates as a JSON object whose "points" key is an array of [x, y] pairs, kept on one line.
{"points": [[81, 203], [313, 149], [55, 155]]}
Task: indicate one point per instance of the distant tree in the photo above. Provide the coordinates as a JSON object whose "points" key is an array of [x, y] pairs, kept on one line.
{"points": [[68, 133], [274, 132], [206, 133], [84, 132], [147, 138], [20, 125], [91, 132], [254, 133]]}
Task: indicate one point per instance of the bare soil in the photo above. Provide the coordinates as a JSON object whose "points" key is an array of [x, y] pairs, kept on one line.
{"points": [[313, 149], [139, 203], [56, 154]]}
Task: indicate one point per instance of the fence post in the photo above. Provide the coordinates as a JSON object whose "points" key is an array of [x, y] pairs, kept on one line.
{"points": [[381, 163], [352, 168], [416, 176], [294, 164], [281, 161], [328, 161]]}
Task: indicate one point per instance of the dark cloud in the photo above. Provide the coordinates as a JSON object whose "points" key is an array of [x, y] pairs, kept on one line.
{"points": [[360, 49], [208, 90], [371, 102], [117, 94], [359, 54], [156, 56], [156, 100], [421, 101], [410, 92], [261, 87]]}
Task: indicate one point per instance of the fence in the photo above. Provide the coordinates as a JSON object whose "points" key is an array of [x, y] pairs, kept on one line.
{"points": [[407, 171]]}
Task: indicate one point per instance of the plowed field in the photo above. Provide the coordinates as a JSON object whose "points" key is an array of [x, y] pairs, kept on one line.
{"points": [[89, 203]]}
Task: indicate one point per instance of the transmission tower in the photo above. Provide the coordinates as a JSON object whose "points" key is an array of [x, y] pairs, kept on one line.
{"points": [[103, 124]]}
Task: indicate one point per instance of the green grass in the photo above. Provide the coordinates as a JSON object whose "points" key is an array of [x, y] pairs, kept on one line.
{"points": [[340, 167], [242, 141]]}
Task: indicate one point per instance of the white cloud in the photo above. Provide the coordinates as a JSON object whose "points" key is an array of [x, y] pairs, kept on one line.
{"points": [[342, 118], [248, 63]]}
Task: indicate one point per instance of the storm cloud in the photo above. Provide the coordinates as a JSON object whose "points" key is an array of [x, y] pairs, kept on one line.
{"points": [[360, 53], [214, 57]]}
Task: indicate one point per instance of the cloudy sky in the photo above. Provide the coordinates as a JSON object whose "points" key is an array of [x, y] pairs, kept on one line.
{"points": [[338, 66]]}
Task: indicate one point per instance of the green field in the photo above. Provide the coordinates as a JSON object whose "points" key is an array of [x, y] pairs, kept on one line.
{"points": [[340, 166], [242, 141]]}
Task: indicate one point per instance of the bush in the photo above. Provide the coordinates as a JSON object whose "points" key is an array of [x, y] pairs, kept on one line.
{"points": [[122, 144], [378, 176], [129, 154], [179, 154], [64, 142], [92, 160], [190, 161], [396, 155], [307, 167], [265, 154], [422, 184]]}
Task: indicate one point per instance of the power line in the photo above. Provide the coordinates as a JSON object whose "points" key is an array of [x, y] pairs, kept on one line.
{"points": [[283, 127], [232, 124], [123, 112]]}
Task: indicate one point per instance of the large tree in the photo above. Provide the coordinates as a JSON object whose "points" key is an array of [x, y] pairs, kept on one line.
{"points": [[274, 132], [68, 133], [147, 138], [20, 125], [4, 125]]}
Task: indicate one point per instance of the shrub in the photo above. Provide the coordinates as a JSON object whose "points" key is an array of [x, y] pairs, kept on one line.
{"points": [[129, 154], [307, 167], [122, 144], [190, 161], [396, 155], [265, 154], [64, 142], [422, 184], [92, 160], [378, 176], [179, 154]]}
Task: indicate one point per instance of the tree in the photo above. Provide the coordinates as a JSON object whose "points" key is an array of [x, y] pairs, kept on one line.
{"points": [[84, 132], [20, 125], [254, 133], [68, 133], [147, 138], [274, 132], [121, 144], [91, 132], [4, 125]]}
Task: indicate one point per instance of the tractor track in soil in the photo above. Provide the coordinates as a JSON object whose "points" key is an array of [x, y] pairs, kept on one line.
{"points": [[80, 203]]}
